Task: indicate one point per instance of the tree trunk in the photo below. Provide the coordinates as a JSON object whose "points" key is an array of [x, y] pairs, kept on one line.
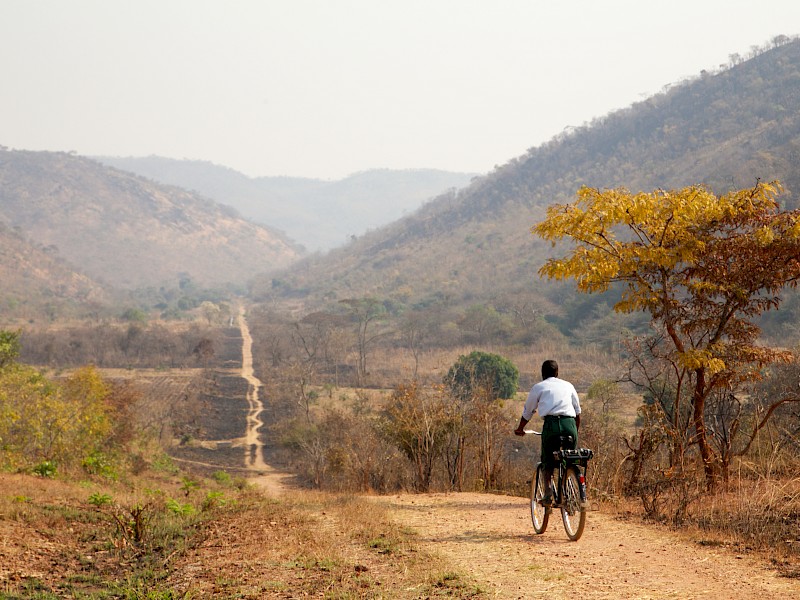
{"points": [[706, 452], [487, 453], [459, 471]]}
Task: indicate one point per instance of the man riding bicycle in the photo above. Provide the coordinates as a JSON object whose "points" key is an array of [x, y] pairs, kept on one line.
{"points": [[558, 404]]}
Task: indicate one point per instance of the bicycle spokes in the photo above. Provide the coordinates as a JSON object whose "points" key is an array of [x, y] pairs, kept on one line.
{"points": [[539, 514], [568, 491], [573, 511]]}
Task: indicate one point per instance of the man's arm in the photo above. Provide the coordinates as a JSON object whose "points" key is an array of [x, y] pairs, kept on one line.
{"points": [[576, 404], [531, 404]]}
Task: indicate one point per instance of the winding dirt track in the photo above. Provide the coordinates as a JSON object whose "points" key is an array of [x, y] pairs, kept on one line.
{"points": [[254, 457], [261, 473]]}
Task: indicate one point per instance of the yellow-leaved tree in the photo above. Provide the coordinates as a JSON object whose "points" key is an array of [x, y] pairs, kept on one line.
{"points": [[64, 423], [704, 267]]}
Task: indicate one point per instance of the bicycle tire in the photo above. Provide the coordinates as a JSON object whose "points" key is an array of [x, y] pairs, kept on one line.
{"points": [[573, 512], [540, 515]]}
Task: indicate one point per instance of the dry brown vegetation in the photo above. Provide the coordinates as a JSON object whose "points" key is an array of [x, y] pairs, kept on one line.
{"points": [[137, 345], [93, 539], [314, 544], [141, 527], [166, 536], [334, 433]]}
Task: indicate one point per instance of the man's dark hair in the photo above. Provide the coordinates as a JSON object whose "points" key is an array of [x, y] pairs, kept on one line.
{"points": [[549, 369]]}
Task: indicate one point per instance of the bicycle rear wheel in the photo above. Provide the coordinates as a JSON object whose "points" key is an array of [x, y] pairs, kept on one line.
{"points": [[573, 512], [540, 515]]}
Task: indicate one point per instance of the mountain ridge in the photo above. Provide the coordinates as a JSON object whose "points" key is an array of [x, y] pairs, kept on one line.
{"points": [[128, 232], [469, 245], [319, 214], [725, 130]]}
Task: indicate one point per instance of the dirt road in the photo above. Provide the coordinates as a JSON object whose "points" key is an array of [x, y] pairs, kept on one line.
{"points": [[254, 455], [263, 475], [491, 538]]}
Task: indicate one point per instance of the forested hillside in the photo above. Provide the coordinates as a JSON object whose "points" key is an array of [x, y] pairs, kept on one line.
{"points": [[318, 214], [129, 232], [725, 130]]}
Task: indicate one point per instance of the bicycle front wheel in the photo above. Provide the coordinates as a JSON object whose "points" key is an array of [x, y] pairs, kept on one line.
{"points": [[540, 515], [573, 512]]}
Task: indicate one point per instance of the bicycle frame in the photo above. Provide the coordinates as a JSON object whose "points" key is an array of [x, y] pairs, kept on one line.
{"points": [[579, 460], [569, 491]]}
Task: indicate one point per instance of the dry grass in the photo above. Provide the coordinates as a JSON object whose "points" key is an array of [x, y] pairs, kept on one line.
{"points": [[760, 515], [93, 539], [56, 543], [312, 544]]}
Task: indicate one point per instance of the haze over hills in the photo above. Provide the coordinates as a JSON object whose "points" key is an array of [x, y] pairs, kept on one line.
{"points": [[725, 130], [468, 246], [130, 232], [316, 213]]}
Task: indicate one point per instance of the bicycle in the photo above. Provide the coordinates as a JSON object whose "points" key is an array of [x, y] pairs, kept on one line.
{"points": [[569, 490]]}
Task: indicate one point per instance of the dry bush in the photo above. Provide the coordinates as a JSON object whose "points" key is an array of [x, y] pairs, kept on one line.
{"points": [[604, 434], [755, 513], [301, 390], [110, 345], [340, 447]]}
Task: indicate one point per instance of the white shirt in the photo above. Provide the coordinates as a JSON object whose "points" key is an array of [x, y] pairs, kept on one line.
{"points": [[553, 396]]}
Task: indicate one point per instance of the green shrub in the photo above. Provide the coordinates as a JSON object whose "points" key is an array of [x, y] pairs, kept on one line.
{"points": [[177, 508], [222, 478], [213, 500], [98, 463], [188, 485], [98, 499], [46, 468], [482, 375]]}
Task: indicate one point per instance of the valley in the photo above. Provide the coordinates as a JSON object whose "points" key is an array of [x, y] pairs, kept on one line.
{"points": [[193, 406]]}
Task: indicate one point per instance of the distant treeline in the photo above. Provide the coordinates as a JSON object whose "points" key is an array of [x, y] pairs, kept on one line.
{"points": [[115, 346]]}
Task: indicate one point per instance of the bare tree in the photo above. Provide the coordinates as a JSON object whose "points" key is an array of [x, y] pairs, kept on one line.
{"points": [[365, 312]]}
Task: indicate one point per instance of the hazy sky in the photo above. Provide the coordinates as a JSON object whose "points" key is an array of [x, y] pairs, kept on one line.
{"points": [[325, 88]]}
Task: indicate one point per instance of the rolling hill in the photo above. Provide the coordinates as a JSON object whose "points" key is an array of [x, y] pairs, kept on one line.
{"points": [[129, 232], [316, 213]]}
